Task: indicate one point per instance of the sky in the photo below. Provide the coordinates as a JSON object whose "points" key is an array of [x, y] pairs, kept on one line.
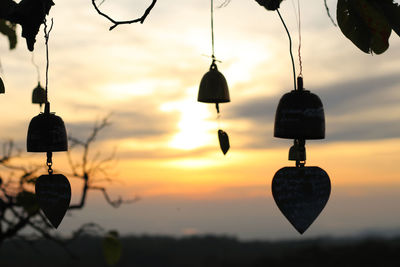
{"points": [[145, 77]]}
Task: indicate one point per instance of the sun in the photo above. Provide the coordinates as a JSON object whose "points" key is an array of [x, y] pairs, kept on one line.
{"points": [[194, 125]]}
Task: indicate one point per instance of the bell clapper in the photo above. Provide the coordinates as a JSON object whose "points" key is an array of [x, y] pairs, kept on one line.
{"points": [[298, 152]]}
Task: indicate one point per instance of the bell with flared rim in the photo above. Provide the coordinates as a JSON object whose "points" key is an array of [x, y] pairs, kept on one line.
{"points": [[2, 88], [39, 95], [47, 133], [300, 115], [213, 87]]}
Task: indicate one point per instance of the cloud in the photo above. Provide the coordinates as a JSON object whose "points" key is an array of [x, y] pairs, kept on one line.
{"points": [[362, 109]]}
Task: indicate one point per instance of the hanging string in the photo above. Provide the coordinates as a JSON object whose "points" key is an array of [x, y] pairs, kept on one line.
{"points": [[47, 37], [212, 30], [299, 51], [36, 66], [290, 49]]}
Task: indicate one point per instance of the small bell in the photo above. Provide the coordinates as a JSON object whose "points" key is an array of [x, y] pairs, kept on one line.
{"points": [[213, 87], [300, 115], [47, 133], [39, 95], [2, 88]]}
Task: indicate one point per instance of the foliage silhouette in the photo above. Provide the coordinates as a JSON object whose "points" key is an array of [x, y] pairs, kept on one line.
{"points": [[210, 251], [19, 209], [367, 23]]}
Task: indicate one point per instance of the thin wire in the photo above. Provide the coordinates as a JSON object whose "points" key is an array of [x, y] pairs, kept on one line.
{"points": [[290, 49], [36, 66], [299, 25], [212, 29], [47, 37]]}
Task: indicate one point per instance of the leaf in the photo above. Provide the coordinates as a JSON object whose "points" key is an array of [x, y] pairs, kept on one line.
{"points": [[31, 14], [28, 201], [392, 13], [112, 248], [270, 4], [364, 23], [8, 29]]}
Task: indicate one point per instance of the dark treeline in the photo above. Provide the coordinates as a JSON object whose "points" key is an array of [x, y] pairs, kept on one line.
{"points": [[210, 251]]}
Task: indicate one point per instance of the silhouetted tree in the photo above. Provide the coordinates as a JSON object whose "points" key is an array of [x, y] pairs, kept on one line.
{"points": [[18, 207]]}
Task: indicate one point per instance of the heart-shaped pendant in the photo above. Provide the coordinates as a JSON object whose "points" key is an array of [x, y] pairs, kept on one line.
{"points": [[223, 141], [301, 193], [53, 194]]}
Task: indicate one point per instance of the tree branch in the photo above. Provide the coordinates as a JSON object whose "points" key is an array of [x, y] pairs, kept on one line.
{"points": [[116, 23]]}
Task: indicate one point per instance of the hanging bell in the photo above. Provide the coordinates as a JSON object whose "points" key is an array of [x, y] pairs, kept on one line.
{"points": [[39, 95], [300, 115], [213, 87], [2, 88], [47, 133]]}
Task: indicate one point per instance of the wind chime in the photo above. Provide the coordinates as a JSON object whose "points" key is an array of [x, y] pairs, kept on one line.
{"points": [[38, 93], [214, 89], [47, 133], [300, 192]]}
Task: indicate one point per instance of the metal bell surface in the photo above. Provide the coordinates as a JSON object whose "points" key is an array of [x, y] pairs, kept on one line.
{"points": [[47, 133], [300, 115], [39, 95], [213, 87]]}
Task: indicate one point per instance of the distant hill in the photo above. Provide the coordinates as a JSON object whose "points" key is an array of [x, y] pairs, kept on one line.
{"points": [[210, 251]]}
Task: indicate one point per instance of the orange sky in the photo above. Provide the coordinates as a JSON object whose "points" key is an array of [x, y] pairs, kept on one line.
{"points": [[146, 76]]}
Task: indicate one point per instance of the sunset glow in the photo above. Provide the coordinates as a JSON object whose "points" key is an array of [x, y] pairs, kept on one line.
{"points": [[146, 78]]}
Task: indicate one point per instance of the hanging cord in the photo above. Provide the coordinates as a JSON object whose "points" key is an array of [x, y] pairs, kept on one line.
{"points": [[36, 66], [212, 30], [299, 51], [290, 49], [47, 37]]}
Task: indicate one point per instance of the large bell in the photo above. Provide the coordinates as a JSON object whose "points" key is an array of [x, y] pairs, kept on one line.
{"points": [[300, 115], [2, 89], [39, 95], [46, 133], [213, 87]]}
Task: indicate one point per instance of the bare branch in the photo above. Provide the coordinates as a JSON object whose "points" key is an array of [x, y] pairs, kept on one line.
{"points": [[329, 13], [115, 203], [116, 23]]}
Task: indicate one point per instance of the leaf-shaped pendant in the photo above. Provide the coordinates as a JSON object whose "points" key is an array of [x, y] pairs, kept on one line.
{"points": [[223, 141], [2, 89], [53, 193], [301, 193]]}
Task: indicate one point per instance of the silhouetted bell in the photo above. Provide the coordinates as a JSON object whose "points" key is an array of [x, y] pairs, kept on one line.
{"points": [[46, 133], [2, 88], [39, 95], [300, 115], [213, 87]]}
